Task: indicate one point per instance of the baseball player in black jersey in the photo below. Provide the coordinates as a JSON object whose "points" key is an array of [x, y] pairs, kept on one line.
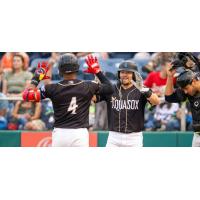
{"points": [[189, 88], [71, 99], [126, 107]]}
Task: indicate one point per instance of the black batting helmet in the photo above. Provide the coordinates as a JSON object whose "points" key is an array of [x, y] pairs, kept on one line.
{"points": [[186, 77], [128, 66], [68, 63]]}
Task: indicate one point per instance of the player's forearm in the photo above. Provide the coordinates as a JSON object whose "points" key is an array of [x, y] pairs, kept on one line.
{"points": [[169, 86], [102, 78], [106, 86], [40, 73]]}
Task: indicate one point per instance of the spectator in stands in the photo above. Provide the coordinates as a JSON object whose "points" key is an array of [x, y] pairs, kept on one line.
{"points": [[19, 78], [149, 67], [47, 114], [3, 112], [35, 55], [161, 57], [3, 102], [26, 115], [7, 60], [123, 55], [165, 113], [175, 123], [142, 59], [26, 59], [53, 59], [102, 55], [3, 83], [156, 80]]}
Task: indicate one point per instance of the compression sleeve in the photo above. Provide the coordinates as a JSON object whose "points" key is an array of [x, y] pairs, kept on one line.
{"points": [[105, 86]]}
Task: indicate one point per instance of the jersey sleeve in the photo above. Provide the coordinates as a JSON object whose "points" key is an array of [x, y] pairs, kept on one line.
{"points": [[47, 91], [143, 99], [177, 97], [102, 97], [94, 87], [106, 86]]}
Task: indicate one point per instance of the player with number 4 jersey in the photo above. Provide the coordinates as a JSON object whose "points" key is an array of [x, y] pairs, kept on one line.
{"points": [[71, 98]]}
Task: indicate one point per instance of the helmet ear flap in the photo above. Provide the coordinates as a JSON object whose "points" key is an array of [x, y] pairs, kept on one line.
{"points": [[118, 75], [134, 78]]}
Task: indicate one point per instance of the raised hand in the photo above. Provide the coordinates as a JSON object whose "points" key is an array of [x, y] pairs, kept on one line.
{"points": [[40, 73], [93, 65]]}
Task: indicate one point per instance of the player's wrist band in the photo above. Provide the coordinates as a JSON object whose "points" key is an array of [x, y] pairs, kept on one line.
{"points": [[34, 82], [148, 93]]}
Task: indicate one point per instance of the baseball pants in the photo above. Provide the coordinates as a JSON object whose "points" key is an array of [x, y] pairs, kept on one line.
{"points": [[196, 140], [62, 137], [117, 139]]}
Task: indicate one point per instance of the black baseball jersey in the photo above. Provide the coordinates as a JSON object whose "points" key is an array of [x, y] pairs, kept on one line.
{"points": [[125, 109], [179, 96], [71, 100]]}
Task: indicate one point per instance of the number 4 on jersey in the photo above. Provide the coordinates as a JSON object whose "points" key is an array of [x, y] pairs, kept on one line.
{"points": [[73, 106]]}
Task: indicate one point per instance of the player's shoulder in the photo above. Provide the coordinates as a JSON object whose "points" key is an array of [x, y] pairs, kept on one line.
{"points": [[93, 82], [67, 83], [49, 86]]}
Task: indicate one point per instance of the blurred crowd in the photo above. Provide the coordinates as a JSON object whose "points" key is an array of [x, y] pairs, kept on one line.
{"points": [[17, 68]]}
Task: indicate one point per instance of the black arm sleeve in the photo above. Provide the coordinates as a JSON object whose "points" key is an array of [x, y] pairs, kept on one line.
{"points": [[177, 97], [46, 91], [102, 97], [105, 87]]}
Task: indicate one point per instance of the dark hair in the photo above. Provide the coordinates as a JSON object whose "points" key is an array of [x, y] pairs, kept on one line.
{"points": [[22, 59]]}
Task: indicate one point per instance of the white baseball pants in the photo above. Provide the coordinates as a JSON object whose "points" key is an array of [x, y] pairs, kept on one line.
{"points": [[62, 137], [117, 139]]}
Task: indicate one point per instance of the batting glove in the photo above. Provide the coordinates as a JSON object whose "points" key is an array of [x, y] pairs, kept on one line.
{"points": [[40, 73], [93, 65]]}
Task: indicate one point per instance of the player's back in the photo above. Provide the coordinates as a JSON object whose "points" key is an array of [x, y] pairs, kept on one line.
{"points": [[71, 100]]}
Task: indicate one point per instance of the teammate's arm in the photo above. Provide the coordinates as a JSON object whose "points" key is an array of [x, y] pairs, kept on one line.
{"points": [[169, 90], [152, 98], [40, 73], [105, 86], [32, 93], [172, 95]]}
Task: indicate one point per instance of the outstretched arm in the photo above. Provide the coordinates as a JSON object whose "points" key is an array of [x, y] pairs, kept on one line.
{"points": [[152, 98], [169, 90], [32, 93], [172, 95], [94, 68]]}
